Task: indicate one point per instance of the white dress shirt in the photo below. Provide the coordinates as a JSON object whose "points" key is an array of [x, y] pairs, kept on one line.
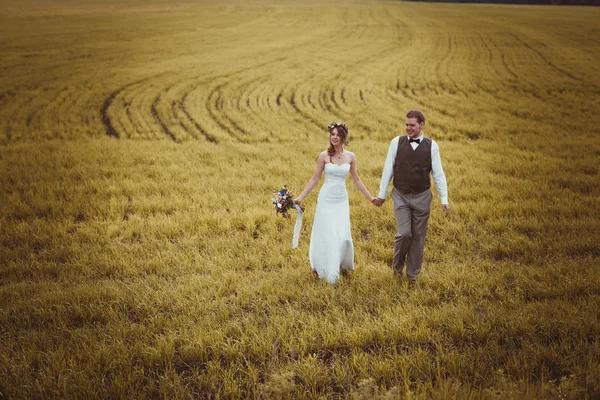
{"points": [[436, 169]]}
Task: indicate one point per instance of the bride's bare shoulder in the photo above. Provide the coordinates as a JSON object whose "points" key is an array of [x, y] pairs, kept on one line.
{"points": [[323, 156]]}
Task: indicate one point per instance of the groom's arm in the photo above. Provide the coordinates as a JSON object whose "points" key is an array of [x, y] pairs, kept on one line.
{"points": [[388, 169], [437, 172]]}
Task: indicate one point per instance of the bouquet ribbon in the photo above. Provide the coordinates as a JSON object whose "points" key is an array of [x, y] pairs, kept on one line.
{"points": [[298, 226]]}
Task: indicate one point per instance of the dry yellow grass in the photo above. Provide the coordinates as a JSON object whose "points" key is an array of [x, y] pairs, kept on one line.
{"points": [[140, 144]]}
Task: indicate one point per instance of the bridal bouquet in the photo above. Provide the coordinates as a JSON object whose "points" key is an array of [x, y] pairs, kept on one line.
{"points": [[284, 201]]}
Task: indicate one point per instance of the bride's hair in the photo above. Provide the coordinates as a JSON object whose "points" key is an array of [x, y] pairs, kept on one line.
{"points": [[342, 131]]}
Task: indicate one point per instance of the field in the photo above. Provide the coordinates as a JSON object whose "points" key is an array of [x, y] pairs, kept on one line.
{"points": [[141, 141]]}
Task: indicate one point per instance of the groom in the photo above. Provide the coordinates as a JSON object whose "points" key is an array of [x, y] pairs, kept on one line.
{"points": [[409, 161]]}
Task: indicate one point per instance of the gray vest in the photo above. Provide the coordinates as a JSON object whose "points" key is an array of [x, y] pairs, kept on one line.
{"points": [[412, 167]]}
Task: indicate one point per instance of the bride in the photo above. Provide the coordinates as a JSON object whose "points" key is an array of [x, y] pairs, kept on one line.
{"points": [[331, 247]]}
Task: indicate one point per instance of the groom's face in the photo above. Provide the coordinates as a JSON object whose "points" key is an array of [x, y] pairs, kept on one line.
{"points": [[413, 128]]}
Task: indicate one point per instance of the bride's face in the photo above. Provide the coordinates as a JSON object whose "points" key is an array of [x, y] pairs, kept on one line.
{"points": [[335, 138]]}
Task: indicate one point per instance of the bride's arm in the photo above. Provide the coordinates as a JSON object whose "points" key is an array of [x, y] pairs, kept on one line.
{"points": [[357, 182], [315, 178]]}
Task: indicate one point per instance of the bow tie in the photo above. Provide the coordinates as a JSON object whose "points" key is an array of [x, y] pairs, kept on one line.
{"points": [[417, 141]]}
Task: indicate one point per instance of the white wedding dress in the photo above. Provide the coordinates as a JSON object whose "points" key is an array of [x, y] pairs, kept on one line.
{"points": [[331, 247]]}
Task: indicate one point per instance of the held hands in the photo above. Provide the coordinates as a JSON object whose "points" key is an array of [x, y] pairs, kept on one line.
{"points": [[377, 201]]}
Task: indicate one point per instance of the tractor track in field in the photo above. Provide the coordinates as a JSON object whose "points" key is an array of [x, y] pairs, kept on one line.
{"points": [[175, 106], [106, 121], [163, 126], [543, 58], [108, 101], [183, 108], [302, 113]]}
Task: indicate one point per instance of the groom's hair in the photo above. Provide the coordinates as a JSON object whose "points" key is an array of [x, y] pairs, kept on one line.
{"points": [[416, 114]]}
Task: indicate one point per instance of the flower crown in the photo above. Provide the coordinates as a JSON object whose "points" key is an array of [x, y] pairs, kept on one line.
{"points": [[336, 124]]}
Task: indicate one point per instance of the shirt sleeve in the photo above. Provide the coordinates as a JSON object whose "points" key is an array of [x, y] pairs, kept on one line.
{"points": [[437, 173], [388, 168]]}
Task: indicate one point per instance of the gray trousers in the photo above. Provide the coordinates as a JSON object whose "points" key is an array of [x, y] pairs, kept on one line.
{"points": [[412, 215]]}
